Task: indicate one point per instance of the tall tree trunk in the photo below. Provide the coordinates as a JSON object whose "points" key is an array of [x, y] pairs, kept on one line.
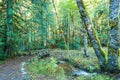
{"points": [[114, 35], [9, 31], [57, 18], [85, 43], [73, 25], [67, 32], [53, 2], [92, 35], [42, 29]]}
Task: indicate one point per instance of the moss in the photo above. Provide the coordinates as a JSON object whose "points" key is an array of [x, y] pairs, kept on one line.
{"points": [[112, 50], [112, 24], [119, 52], [98, 41]]}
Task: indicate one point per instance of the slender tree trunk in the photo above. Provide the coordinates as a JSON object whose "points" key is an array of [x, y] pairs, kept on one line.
{"points": [[114, 35], [92, 35], [5, 40], [9, 31], [29, 39], [57, 18], [73, 25], [85, 43], [53, 2], [42, 29], [67, 32]]}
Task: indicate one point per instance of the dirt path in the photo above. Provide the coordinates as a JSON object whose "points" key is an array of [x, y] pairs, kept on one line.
{"points": [[12, 69]]}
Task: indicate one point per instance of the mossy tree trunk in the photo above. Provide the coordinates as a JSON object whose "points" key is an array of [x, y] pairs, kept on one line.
{"points": [[85, 43], [113, 35], [92, 35]]}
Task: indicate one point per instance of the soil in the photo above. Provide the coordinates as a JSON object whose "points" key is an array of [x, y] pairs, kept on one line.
{"points": [[11, 69]]}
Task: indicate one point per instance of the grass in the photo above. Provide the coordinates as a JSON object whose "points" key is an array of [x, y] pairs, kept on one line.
{"points": [[48, 67]]}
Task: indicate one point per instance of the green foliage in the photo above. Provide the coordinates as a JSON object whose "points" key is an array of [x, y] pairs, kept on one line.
{"points": [[34, 25], [28, 22], [105, 77], [100, 18], [96, 77], [2, 54], [76, 43], [46, 67], [1, 43], [61, 44]]}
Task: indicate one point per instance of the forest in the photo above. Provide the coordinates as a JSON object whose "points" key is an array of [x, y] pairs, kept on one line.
{"points": [[59, 39]]}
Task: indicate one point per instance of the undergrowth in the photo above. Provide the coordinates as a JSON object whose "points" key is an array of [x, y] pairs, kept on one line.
{"points": [[48, 66]]}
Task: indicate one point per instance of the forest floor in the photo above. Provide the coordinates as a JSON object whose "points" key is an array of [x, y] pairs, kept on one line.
{"points": [[55, 64], [11, 69], [67, 65]]}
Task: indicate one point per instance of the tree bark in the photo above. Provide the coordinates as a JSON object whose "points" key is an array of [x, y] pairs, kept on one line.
{"points": [[92, 35], [113, 35], [85, 43]]}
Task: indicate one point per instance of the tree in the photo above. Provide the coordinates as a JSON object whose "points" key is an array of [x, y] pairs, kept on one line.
{"points": [[113, 49], [9, 28], [85, 43], [69, 21], [92, 34], [43, 17], [113, 45], [100, 19], [2, 29]]}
